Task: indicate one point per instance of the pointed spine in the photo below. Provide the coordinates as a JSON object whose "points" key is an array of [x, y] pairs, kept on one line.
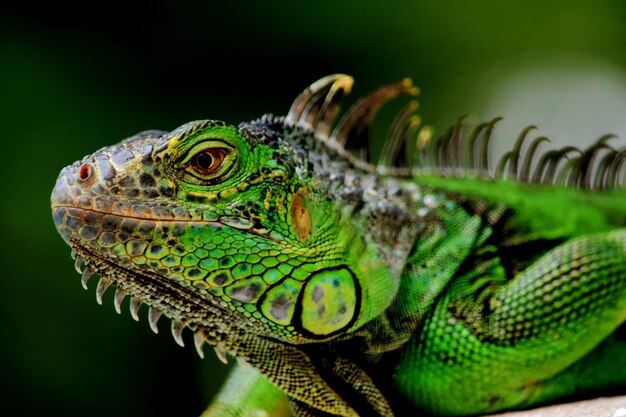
{"points": [[307, 106], [103, 284], [177, 332], [87, 274], [135, 303], [198, 341], [530, 157], [78, 263], [220, 351], [394, 144], [117, 300], [354, 126], [153, 319]]}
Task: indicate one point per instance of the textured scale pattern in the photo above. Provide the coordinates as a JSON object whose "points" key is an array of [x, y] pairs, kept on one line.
{"points": [[429, 280], [565, 298], [262, 280]]}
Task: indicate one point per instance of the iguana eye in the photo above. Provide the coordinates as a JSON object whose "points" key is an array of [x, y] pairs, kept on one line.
{"points": [[208, 161]]}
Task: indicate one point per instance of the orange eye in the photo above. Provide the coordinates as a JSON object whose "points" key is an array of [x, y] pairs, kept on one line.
{"points": [[208, 161]]}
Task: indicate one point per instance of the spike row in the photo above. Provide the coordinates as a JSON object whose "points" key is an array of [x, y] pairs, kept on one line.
{"points": [[397, 149], [353, 129], [599, 166], [153, 314], [317, 108]]}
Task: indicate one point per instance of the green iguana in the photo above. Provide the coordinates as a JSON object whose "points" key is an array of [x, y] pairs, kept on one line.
{"points": [[425, 281]]}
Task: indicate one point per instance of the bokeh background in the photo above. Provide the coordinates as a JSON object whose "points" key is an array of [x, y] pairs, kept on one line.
{"points": [[75, 79]]}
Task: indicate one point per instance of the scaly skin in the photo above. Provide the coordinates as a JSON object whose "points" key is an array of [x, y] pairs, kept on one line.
{"points": [[352, 289]]}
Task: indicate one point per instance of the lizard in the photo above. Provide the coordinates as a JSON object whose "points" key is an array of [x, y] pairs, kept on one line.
{"points": [[426, 281]]}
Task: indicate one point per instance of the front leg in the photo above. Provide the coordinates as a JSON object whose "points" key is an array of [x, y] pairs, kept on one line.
{"points": [[526, 342], [300, 409], [247, 393]]}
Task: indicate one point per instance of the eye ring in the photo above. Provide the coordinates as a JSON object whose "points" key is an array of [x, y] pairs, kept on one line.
{"points": [[208, 161]]}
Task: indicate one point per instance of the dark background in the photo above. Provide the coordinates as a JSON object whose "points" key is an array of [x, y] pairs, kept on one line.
{"points": [[74, 80]]}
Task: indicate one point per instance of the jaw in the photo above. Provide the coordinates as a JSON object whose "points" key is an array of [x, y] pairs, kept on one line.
{"points": [[209, 322]]}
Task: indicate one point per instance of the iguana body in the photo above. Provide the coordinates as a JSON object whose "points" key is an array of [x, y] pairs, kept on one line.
{"points": [[349, 289]]}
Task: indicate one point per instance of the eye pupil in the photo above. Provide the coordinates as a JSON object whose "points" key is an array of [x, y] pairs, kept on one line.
{"points": [[208, 161], [204, 161]]}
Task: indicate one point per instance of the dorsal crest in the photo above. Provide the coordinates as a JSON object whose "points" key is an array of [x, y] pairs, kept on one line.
{"points": [[410, 149]]}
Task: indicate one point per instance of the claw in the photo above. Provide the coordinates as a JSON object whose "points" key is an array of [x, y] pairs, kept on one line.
{"points": [[177, 332], [135, 303], [103, 284], [87, 273], [198, 341], [117, 301], [153, 318]]}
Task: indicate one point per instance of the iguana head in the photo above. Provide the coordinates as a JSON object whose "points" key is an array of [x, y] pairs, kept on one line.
{"points": [[237, 230]]}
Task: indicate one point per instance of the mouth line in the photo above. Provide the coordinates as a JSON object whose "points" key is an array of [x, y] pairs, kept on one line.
{"points": [[244, 227], [134, 217]]}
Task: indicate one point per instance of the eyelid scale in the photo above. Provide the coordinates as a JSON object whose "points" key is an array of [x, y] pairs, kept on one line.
{"points": [[206, 145], [219, 150]]}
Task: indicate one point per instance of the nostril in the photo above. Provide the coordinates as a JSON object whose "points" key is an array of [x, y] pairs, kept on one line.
{"points": [[85, 172]]}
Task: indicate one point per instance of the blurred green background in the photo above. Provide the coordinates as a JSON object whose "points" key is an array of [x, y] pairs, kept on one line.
{"points": [[74, 80]]}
